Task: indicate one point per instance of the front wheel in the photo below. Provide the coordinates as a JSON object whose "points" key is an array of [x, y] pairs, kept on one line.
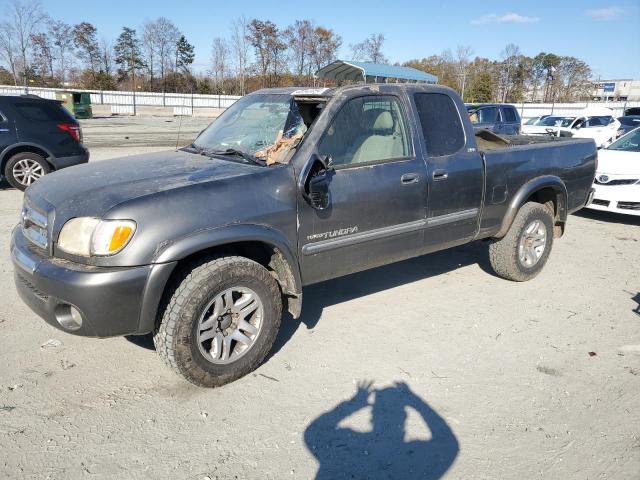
{"points": [[524, 250], [220, 321]]}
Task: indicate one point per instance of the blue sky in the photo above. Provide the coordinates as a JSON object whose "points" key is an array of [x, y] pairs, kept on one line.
{"points": [[604, 34]]}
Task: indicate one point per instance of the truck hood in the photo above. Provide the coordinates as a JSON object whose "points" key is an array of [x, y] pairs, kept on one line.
{"points": [[93, 189], [618, 162]]}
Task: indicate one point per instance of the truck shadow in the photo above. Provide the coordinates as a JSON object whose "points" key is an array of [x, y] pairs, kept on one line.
{"points": [[332, 292], [384, 450], [609, 217], [317, 297]]}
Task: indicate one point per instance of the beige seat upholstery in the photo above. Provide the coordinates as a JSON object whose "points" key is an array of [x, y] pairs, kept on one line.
{"points": [[381, 141]]}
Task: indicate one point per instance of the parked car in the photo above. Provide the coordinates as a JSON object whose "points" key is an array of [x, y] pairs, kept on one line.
{"points": [[628, 123], [632, 111], [205, 245], [37, 136], [532, 121], [497, 118], [617, 181], [597, 124], [551, 125]]}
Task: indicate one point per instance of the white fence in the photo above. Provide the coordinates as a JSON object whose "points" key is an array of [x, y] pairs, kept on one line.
{"points": [[128, 102], [186, 104], [570, 109]]}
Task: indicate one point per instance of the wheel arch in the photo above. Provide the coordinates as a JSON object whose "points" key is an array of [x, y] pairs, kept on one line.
{"points": [[261, 244], [547, 189], [22, 147]]}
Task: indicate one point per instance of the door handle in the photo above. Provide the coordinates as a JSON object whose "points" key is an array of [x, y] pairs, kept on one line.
{"points": [[409, 178], [440, 175]]}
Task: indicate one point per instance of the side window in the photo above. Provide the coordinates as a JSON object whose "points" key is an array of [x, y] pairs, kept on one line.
{"points": [[366, 129], [509, 115], [41, 112], [441, 124], [488, 115]]}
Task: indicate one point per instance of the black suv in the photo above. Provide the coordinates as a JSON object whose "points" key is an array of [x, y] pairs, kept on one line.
{"points": [[36, 137]]}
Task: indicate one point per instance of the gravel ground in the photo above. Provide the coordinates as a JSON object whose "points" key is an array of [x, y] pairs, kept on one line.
{"points": [[427, 368]]}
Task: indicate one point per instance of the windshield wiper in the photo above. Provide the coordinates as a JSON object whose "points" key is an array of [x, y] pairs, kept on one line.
{"points": [[239, 153]]}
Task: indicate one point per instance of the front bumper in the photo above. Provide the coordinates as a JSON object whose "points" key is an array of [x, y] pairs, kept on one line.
{"points": [[623, 199], [112, 301]]}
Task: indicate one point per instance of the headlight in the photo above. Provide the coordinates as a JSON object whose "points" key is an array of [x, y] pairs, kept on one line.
{"points": [[87, 236]]}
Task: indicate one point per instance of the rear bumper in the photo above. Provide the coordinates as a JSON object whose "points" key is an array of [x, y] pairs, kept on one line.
{"points": [[64, 162], [112, 301]]}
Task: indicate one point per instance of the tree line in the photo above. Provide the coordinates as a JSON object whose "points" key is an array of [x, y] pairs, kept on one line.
{"points": [[38, 50]]}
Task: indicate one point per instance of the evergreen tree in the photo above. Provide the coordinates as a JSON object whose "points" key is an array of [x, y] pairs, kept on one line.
{"points": [[184, 54], [128, 55]]}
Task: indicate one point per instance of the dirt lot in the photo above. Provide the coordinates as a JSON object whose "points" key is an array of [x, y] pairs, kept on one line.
{"points": [[472, 376]]}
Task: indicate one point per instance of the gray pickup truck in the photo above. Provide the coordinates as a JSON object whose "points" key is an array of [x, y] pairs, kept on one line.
{"points": [[203, 246]]}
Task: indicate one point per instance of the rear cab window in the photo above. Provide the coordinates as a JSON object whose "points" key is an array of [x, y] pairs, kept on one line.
{"points": [[509, 114], [442, 127]]}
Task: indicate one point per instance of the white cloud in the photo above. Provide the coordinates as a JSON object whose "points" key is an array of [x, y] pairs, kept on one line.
{"points": [[506, 18], [604, 14]]}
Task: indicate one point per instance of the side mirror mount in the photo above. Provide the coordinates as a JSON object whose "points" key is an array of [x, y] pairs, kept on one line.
{"points": [[315, 182]]}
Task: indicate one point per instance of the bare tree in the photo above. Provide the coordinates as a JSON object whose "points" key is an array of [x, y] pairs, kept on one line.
{"points": [[42, 55], [240, 45], [149, 47], [463, 59], [9, 48], [299, 36], [167, 35], [324, 48], [511, 59], [106, 56], [370, 49], [219, 59], [62, 37], [24, 17]]}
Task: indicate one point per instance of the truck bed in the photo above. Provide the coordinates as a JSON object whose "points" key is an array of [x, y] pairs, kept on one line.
{"points": [[510, 161]]}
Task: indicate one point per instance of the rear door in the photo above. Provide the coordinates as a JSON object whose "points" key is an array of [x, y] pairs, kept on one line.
{"points": [[377, 192], [455, 171]]}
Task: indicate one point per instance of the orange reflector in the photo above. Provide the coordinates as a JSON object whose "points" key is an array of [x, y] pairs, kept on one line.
{"points": [[120, 237]]}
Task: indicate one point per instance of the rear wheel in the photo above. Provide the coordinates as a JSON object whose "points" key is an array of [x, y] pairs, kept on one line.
{"points": [[25, 168], [522, 253], [220, 321]]}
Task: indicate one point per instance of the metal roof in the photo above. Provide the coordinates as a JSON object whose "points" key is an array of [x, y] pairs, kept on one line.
{"points": [[352, 70]]}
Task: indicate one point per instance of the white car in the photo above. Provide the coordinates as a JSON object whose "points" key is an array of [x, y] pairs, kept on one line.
{"points": [[617, 181], [596, 122]]}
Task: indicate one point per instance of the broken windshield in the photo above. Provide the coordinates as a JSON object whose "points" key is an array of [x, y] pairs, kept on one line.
{"points": [[265, 126]]}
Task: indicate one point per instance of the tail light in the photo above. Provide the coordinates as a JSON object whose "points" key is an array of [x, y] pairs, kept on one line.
{"points": [[72, 129]]}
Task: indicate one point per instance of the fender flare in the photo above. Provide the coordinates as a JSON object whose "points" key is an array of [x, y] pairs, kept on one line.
{"points": [[168, 255], [529, 188]]}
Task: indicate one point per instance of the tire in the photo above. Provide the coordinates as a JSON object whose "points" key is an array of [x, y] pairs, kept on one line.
{"points": [[506, 255], [25, 168], [200, 291]]}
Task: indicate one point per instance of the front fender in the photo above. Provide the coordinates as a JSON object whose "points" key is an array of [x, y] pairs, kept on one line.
{"points": [[200, 240], [528, 189]]}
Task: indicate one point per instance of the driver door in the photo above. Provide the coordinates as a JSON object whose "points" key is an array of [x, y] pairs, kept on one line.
{"points": [[377, 192]]}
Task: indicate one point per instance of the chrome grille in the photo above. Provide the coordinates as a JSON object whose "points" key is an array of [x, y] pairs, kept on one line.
{"points": [[34, 225], [619, 181]]}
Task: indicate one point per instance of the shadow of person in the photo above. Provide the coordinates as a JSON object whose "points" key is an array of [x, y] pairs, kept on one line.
{"points": [[383, 452], [636, 299]]}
